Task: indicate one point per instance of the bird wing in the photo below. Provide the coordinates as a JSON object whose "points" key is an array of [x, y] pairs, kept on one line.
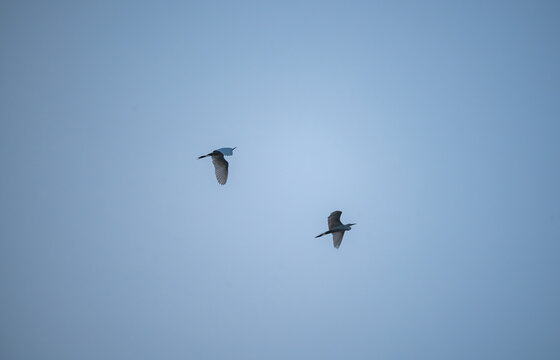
{"points": [[337, 238], [226, 151], [334, 219], [221, 168]]}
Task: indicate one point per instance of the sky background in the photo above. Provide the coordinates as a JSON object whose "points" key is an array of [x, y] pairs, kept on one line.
{"points": [[434, 125]]}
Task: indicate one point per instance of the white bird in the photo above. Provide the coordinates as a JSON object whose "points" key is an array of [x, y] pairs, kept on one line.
{"points": [[336, 228], [220, 164]]}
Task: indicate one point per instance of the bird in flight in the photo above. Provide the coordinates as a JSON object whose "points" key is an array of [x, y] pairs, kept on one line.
{"points": [[220, 164], [336, 228]]}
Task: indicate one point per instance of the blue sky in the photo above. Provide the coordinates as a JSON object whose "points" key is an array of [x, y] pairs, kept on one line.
{"points": [[432, 125]]}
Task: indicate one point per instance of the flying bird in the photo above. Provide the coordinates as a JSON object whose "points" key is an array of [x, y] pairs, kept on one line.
{"points": [[336, 228], [220, 164]]}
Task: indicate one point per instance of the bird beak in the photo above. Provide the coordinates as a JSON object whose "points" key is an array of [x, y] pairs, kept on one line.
{"points": [[352, 224], [234, 148]]}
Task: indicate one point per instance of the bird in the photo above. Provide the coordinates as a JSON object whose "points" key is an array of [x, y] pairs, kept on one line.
{"points": [[220, 164], [336, 228]]}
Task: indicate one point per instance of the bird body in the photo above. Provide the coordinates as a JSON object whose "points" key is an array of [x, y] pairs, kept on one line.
{"points": [[221, 166], [336, 228]]}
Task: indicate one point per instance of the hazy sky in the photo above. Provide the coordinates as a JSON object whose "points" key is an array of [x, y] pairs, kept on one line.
{"points": [[433, 125]]}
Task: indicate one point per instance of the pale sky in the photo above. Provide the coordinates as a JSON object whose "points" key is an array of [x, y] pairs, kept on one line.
{"points": [[432, 125]]}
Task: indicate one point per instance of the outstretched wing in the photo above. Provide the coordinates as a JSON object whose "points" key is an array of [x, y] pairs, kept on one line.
{"points": [[337, 238], [334, 220], [221, 168], [226, 151]]}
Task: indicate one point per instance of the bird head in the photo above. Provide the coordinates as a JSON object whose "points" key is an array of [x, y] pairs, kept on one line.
{"points": [[349, 226]]}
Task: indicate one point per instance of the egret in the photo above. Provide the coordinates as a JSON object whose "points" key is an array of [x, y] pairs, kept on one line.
{"points": [[220, 164], [336, 228]]}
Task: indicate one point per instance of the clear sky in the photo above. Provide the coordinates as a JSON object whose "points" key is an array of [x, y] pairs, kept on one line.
{"points": [[434, 125]]}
